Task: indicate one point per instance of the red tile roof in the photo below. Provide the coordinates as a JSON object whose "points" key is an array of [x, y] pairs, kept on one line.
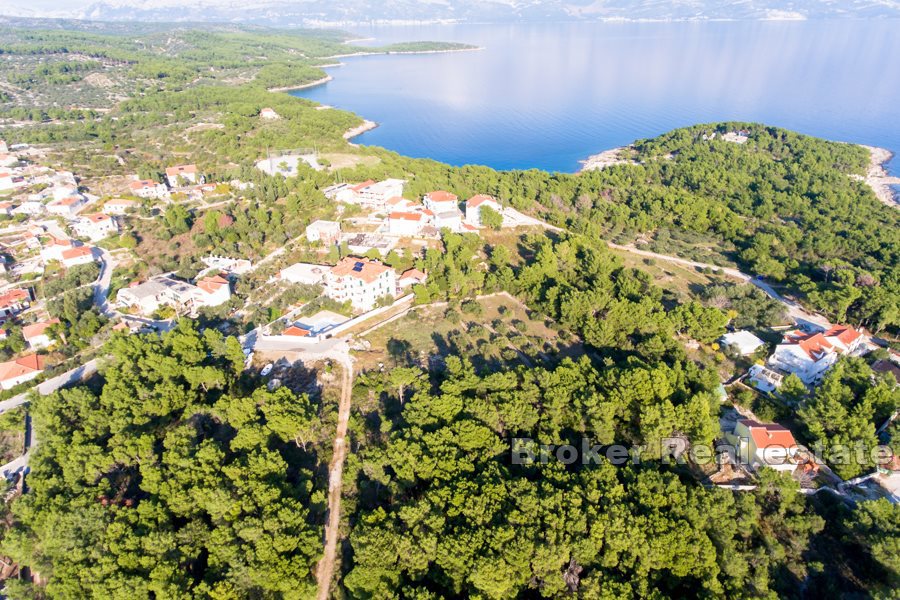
{"points": [[96, 218], [295, 331], [211, 285], [143, 183], [360, 268], [35, 329], [361, 186], [767, 435], [77, 252], [846, 334], [406, 216], [16, 296], [479, 199], [179, 169], [21, 366], [413, 274], [442, 196]]}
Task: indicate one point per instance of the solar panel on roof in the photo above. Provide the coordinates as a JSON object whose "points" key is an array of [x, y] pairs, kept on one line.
{"points": [[358, 266]]}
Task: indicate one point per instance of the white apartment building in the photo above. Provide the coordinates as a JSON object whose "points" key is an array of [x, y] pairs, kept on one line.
{"points": [[360, 281], [810, 355], [95, 227]]}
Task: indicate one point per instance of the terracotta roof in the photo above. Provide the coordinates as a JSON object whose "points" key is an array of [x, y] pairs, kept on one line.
{"points": [[442, 196], [96, 218], [21, 366], [179, 169], [143, 183], [406, 216], [361, 186], [413, 274], [479, 199], [211, 285], [846, 334], [360, 268], [767, 435], [295, 331], [77, 252], [70, 200], [14, 297], [396, 200], [35, 329]]}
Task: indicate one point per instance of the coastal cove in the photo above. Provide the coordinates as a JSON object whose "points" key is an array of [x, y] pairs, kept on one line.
{"points": [[551, 95]]}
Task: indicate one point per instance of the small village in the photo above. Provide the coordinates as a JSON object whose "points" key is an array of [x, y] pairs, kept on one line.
{"points": [[54, 225]]}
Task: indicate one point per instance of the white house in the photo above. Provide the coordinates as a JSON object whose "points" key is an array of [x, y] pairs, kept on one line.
{"points": [[9, 181], [361, 281], [327, 232], [810, 355], [119, 206], [175, 175], [268, 114], [53, 249], [216, 290], [304, 273], [376, 194], [763, 379], [238, 266], [37, 334], [370, 194], [80, 255], [450, 219], [19, 370], [765, 445], [743, 342], [147, 188], [439, 202], [68, 206], [406, 223], [30, 208], [476, 203], [411, 277], [95, 226], [6, 209], [14, 301]]}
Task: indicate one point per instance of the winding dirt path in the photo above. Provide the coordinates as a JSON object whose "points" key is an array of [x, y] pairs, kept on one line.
{"points": [[325, 570]]}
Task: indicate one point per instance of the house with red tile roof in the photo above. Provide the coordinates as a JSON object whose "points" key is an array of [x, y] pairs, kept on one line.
{"points": [[411, 277], [810, 355], [360, 281], [441, 201], [37, 334], [406, 223], [295, 331], [217, 290], [95, 226], [148, 188], [19, 370], [766, 445], [476, 203], [178, 174], [68, 206], [79, 255], [14, 301]]}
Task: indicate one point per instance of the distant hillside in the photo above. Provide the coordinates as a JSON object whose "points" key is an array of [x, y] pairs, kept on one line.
{"points": [[349, 12]]}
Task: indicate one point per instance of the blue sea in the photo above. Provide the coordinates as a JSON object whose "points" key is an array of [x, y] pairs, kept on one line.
{"points": [[549, 95]]}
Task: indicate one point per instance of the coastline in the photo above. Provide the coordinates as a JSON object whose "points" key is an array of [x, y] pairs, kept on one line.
{"points": [[878, 178], [353, 132], [400, 52], [607, 158], [302, 86]]}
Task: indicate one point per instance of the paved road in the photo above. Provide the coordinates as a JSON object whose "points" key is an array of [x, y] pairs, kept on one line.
{"points": [[51, 385], [101, 286], [795, 311]]}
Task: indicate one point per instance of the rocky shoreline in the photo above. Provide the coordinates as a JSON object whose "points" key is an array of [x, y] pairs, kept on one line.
{"points": [[878, 178]]}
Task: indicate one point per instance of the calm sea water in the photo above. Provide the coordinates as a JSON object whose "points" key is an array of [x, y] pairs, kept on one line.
{"points": [[549, 95]]}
